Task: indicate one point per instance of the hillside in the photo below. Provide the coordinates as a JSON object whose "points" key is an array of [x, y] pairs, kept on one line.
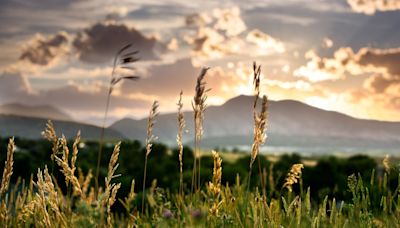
{"points": [[40, 111], [291, 124], [31, 128]]}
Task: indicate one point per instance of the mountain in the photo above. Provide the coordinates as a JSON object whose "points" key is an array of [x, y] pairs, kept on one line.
{"points": [[31, 128], [292, 125], [41, 111]]}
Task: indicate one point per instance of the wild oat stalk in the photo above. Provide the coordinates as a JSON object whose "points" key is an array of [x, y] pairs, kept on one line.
{"points": [[127, 203], [181, 126], [199, 106], [260, 120], [122, 61], [149, 140], [386, 164], [293, 176], [8, 167], [111, 189], [68, 168], [50, 134], [47, 190], [85, 183], [214, 187]]}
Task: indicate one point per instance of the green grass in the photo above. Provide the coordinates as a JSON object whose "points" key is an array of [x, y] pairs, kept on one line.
{"points": [[373, 203]]}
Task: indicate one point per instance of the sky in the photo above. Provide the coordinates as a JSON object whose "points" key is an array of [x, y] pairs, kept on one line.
{"points": [[340, 55]]}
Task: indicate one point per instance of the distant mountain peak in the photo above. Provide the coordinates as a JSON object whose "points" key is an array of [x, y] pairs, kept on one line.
{"points": [[291, 124]]}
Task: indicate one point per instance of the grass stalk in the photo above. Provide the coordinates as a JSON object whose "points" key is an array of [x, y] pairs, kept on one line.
{"points": [[121, 62]]}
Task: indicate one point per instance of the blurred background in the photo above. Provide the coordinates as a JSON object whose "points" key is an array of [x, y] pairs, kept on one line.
{"points": [[329, 67]]}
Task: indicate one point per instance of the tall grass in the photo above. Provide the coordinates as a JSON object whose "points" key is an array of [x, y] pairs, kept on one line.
{"points": [[181, 126], [41, 202], [260, 123], [122, 61], [149, 143], [199, 107]]}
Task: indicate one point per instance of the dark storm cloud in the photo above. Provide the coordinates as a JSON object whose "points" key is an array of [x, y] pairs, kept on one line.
{"points": [[99, 43]]}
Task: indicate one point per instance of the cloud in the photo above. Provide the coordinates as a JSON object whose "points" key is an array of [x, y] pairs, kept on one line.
{"points": [[327, 42], [371, 6], [197, 19], [116, 13], [378, 60], [229, 21], [379, 94], [99, 43], [164, 82], [265, 42], [222, 32], [45, 50], [346, 61]]}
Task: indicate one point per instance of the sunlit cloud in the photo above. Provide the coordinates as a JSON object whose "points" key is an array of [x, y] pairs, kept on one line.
{"points": [[327, 42], [44, 50], [371, 6], [264, 42], [344, 60], [229, 21], [223, 33]]}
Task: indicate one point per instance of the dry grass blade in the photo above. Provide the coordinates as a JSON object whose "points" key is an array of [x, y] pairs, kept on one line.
{"points": [[50, 134], [66, 169], [386, 163], [199, 103], [293, 176], [120, 62], [256, 83], [150, 125], [113, 164], [199, 106], [149, 139], [181, 126], [215, 186], [260, 124], [110, 202], [8, 167]]}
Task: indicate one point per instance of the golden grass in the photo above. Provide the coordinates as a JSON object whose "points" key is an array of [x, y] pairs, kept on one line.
{"points": [[149, 140], [181, 126], [8, 167]]}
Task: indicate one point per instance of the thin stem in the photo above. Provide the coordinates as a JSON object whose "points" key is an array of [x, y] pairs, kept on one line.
{"points": [[144, 182], [199, 159], [194, 171], [261, 175], [249, 178], [102, 138], [181, 182]]}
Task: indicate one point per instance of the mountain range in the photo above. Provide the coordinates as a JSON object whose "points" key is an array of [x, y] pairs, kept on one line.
{"points": [[292, 126]]}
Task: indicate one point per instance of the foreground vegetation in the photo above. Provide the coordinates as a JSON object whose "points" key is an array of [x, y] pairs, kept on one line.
{"points": [[46, 185], [63, 193]]}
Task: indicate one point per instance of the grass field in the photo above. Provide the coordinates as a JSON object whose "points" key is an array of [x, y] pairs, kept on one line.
{"points": [[60, 194]]}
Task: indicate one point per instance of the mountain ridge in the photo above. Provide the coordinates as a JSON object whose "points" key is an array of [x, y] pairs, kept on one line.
{"points": [[31, 128], [39, 111], [288, 119]]}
